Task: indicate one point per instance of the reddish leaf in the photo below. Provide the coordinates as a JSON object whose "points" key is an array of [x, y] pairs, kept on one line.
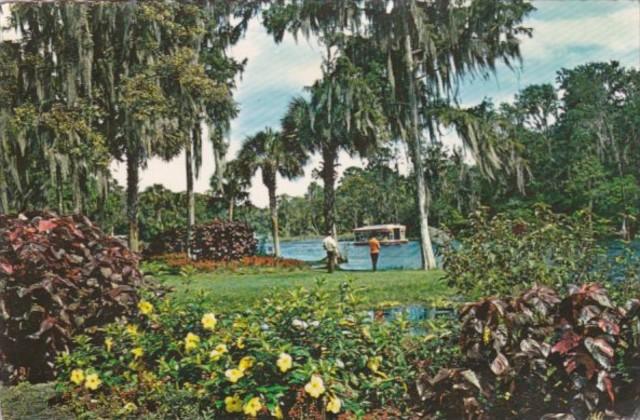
{"points": [[499, 365], [568, 342], [7, 268], [46, 225]]}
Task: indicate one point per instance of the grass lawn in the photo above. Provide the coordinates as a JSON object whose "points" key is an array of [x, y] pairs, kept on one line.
{"points": [[229, 291]]}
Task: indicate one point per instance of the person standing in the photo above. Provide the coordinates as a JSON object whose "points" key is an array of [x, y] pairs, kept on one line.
{"points": [[374, 250], [331, 246]]}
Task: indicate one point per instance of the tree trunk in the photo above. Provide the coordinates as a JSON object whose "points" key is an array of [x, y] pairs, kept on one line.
{"points": [[231, 206], [191, 202], [76, 190], [273, 208], [4, 196], [415, 146], [329, 158], [133, 179], [59, 191]]}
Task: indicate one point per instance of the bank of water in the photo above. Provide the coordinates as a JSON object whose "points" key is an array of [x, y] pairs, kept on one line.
{"points": [[404, 256]]}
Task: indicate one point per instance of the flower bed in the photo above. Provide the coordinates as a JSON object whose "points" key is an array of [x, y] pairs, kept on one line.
{"points": [[174, 263]]}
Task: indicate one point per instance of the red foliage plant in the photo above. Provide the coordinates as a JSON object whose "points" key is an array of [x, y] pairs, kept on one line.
{"points": [[216, 241], [59, 276], [178, 260], [539, 354]]}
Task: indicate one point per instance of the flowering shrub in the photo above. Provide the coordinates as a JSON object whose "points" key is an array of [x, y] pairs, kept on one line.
{"points": [[58, 276], [301, 354], [175, 262]]}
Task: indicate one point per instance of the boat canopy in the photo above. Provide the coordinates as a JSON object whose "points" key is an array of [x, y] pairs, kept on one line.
{"points": [[388, 232]]}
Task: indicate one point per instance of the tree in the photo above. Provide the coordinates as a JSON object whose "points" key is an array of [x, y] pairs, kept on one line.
{"points": [[272, 154], [343, 113], [231, 187]]}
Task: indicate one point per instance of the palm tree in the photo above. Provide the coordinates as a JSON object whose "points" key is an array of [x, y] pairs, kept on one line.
{"points": [[343, 113], [230, 187], [273, 154], [430, 47]]}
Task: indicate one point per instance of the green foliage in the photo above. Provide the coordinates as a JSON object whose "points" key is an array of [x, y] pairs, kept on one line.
{"points": [[58, 277], [501, 255], [175, 356]]}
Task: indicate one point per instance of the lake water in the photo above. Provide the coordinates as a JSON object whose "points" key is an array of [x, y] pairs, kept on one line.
{"points": [[405, 256]]}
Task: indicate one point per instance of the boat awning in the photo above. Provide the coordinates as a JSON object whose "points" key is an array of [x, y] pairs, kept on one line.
{"points": [[388, 227]]}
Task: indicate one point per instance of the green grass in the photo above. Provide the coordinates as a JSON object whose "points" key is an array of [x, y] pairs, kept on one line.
{"points": [[30, 402], [230, 291]]}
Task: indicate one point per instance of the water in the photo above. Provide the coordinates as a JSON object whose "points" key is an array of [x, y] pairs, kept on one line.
{"points": [[404, 256]]}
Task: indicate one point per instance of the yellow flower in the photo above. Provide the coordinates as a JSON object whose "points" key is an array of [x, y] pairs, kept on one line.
{"points": [[137, 352], [486, 335], [92, 382], [146, 308], [374, 363], [233, 375], [252, 407], [191, 342], [245, 363], [129, 408], [334, 405], [240, 343], [209, 321], [366, 333], [108, 343], [217, 353], [284, 362], [277, 413], [132, 330], [315, 387], [233, 404], [77, 376]]}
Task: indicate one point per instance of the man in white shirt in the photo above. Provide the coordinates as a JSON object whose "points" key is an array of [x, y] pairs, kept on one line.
{"points": [[331, 246]]}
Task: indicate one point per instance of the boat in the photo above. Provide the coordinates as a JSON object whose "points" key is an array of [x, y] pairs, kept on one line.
{"points": [[389, 234]]}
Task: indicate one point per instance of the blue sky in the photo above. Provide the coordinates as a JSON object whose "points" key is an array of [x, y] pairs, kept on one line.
{"points": [[566, 33]]}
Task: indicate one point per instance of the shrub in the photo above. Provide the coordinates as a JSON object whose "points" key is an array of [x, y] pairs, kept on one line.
{"points": [[173, 263], [501, 256], [538, 354], [58, 276], [288, 356], [217, 241]]}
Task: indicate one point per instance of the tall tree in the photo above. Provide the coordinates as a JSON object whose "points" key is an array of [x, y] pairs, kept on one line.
{"points": [[273, 154], [230, 187]]}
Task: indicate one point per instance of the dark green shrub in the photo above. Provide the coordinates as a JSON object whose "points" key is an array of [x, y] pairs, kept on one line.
{"points": [[501, 256], [59, 276]]}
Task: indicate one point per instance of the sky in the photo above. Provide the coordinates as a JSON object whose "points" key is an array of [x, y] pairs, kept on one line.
{"points": [[566, 33]]}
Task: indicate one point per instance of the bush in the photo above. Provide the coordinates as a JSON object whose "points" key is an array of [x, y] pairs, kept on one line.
{"points": [[501, 256], [173, 263], [217, 241], [290, 357], [539, 354], [59, 276]]}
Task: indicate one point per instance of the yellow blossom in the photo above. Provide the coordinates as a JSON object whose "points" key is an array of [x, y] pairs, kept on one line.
{"points": [[92, 382], [137, 352], [245, 363], [209, 321], [145, 307], [132, 330], [252, 407], [240, 343], [315, 387], [366, 333], [233, 375], [191, 342], [108, 343], [334, 405], [284, 362], [129, 408], [277, 413], [217, 353], [233, 404], [486, 335], [77, 376], [374, 363]]}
